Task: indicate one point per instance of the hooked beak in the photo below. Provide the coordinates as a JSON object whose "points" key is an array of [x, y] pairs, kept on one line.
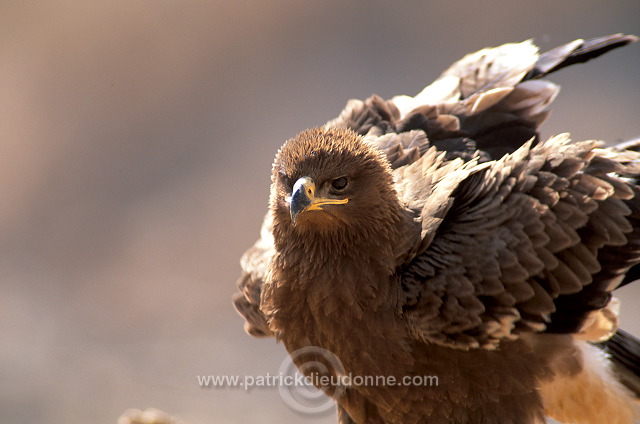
{"points": [[303, 199]]}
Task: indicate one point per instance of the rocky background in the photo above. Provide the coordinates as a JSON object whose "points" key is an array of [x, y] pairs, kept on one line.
{"points": [[135, 153]]}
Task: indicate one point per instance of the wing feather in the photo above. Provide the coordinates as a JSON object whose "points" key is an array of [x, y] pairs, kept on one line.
{"points": [[255, 264], [486, 104], [512, 238]]}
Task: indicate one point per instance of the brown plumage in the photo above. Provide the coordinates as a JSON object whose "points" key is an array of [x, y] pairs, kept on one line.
{"points": [[437, 235]]}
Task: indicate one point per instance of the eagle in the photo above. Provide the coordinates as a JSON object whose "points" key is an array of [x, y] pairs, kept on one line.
{"points": [[440, 235]]}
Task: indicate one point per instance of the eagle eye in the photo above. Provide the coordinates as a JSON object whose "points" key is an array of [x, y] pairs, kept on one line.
{"points": [[340, 183]]}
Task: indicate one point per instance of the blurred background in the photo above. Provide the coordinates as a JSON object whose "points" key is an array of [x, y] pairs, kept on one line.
{"points": [[135, 153]]}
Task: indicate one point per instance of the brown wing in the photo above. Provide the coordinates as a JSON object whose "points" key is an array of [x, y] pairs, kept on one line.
{"points": [[505, 242], [488, 103], [255, 264]]}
